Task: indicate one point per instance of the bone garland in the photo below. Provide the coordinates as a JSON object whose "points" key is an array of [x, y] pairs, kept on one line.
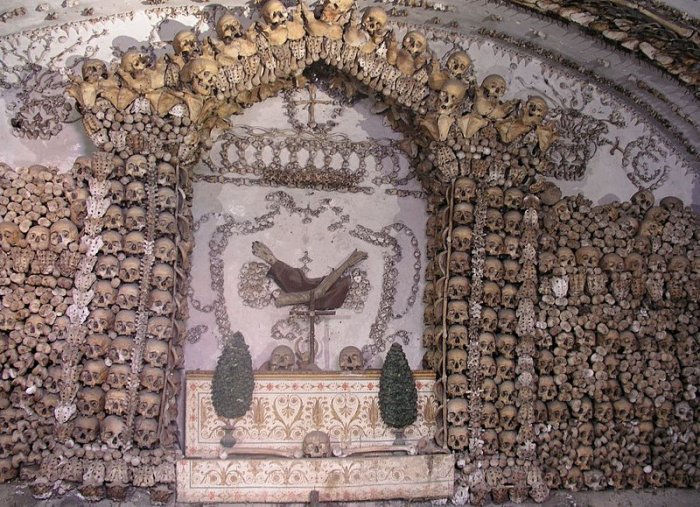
{"points": [[102, 165], [146, 269]]}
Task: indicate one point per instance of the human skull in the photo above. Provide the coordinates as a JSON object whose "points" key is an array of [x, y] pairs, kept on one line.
{"points": [[317, 444], [282, 358], [509, 295], [85, 429], [90, 401], [135, 192], [493, 269], [38, 238], [166, 198], [489, 390], [114, 217], [451, 95], [152, 378], [201, 75], [456, 361], [672, 204], [105, 294], [487, 366], [10, 234], [603, 411], [134, 62], [125, 322], [489, 320], [493, 87], [547, 389], [460, 263], [136, 166], [463, 213], [185, 43], [35, 326], [159, 327], [350, 359], [100, 320], [487, 343], [505, 344], [111, 242], [458, 64], [148, 404], [128, 296], [534, 111], [415, 43], [465, 189], [644, 199], [228, 27], [457, 385], [506, 393], [134, 243], [511, 246], [113, 431], [513, 198], [166, 223], [107, 266], [457, 437], [512, 221], [494, 220], [494, 197], [588, 256], [458, 287], [160, 302], [557, 411], [121, 349], [566, 257], [96, 346], [117, 400], [545, 362], [490, 438], [489, 415], [164, 250], [457, 336], [506, 320], [63, 233], [135, 219], [505, 368], [457, 411], [46, 404], [145, 432], [94, 373], [130, 270], [508, 417], [623, 409], [156, 353], [493, 244], [462, 238], [457, 312], [93, 70], [492, 294], [165, 175], [374, 20]]}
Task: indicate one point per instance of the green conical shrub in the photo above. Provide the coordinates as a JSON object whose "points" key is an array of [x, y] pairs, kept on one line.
{"points": [[398, 396], [232, 385]]}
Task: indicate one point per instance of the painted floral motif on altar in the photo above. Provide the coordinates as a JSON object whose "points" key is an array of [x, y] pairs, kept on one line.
{"points": [[287, 406], [335, 479]]}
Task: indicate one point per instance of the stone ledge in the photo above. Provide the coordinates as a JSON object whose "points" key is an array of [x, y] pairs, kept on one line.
{"points": [[335, 479]]}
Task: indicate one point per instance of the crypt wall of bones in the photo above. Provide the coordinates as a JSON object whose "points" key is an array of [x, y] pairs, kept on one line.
{"points": [[563, 333]]}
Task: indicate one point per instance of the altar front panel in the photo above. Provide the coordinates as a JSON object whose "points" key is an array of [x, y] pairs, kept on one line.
{"points": [[335, 479], [288, 405]]}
